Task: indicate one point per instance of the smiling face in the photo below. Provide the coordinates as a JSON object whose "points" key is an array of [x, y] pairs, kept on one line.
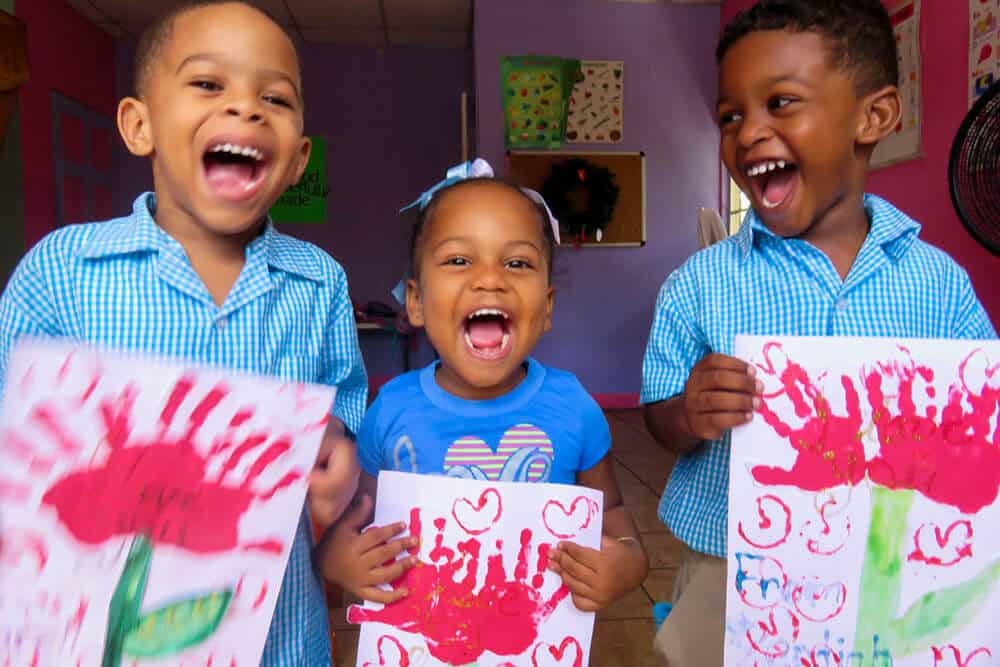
{"points": [[790, 129], [221, 118], [481, 288]]}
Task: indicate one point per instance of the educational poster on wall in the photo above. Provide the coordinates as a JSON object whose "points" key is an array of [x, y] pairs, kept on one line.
{"points": [[984, 44], [481, 593], [306, 200], [536, 91], [904, 142], [147, 510], [595, 106], [863, 505]]}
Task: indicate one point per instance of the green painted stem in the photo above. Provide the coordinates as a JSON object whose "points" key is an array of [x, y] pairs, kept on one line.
{"points": [[126, 601]]}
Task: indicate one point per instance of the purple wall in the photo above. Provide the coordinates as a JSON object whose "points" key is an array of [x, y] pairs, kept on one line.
{"points": [[605, 296], [392, 127]]}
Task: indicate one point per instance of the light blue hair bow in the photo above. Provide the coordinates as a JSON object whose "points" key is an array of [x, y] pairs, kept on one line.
{"points": [[478, 168]]}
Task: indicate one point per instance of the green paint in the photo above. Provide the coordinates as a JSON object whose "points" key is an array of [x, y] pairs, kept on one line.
{"points": [[126, 601], [934, 618], [173, 628], [11, 188], [306, 200]]}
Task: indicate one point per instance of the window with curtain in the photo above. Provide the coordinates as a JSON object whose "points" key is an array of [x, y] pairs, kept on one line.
{"points": [[739, 204]]}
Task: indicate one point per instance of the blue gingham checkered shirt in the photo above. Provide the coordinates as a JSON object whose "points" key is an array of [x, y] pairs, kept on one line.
{"points": [[126, 284], [758, 283]]}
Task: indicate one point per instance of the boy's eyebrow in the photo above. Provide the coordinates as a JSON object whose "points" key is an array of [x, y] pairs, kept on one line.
{"points": [[781, 78], [219, 58]]}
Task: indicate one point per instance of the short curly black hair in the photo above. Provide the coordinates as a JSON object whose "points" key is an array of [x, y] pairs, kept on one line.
{"points": [[858, 33], [157, 34]]}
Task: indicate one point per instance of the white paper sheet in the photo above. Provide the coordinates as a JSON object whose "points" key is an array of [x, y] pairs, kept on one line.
{"points": [[481, 594], [863, 505], [195, 477]]}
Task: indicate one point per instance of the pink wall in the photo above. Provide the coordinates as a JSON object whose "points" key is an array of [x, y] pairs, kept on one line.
{"points": [[920, 187], [70, 55]]}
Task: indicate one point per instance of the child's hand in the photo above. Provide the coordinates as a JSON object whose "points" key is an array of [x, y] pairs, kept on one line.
{"points": [[359, 562], [334, 480], [597, 578], [720, 393]]}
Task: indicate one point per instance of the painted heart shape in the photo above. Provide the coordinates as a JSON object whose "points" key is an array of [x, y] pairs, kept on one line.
{"points": [[547, 655], [524, 454], [565, 523], [934, 547], [819, 602], [479, 518], [950, 656], [770, 527], [396, 656], [774, 636]]}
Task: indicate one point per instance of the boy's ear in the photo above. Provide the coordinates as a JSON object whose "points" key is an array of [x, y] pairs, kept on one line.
{"points": [[133, 125], [414, 306], [549, 302], [882, 110], [303, 158]]}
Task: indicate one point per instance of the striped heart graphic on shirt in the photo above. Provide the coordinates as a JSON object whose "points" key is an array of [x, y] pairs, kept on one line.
{"points": [[525, 454]]}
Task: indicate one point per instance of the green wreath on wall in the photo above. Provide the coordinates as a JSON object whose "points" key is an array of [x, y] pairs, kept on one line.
{"points": [[582, 196]]}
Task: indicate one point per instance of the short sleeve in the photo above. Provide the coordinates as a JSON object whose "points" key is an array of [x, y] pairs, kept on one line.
{"points": [[971, 320], [371, 439], [675, 343], [596, 432], [341, 357]]}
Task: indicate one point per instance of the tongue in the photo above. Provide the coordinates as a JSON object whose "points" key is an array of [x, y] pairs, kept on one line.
{"points": [[486, 333], [229, 179], [778, 185]]}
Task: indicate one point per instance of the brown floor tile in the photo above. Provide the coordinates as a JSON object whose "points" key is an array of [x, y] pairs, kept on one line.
{"points": [[642, 504], [634, 605], [659, 584], [623, 644], [664, 550], [346, 644]]}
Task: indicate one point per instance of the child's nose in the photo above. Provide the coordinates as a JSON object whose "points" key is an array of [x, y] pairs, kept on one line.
{"points": [[753, 129], [246, 108], [490, 277]]}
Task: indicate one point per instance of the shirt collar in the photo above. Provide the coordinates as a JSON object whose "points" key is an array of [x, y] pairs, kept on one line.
{"points": [[891, 229], [139, 233]]}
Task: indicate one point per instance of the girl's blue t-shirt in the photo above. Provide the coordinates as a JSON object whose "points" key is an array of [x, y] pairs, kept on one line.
{"points": [[547, 429]]}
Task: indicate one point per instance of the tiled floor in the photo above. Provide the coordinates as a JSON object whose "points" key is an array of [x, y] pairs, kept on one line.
{"points": [[623, 633]]}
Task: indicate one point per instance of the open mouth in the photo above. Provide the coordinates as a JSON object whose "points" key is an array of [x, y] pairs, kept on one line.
{"points": [[487, 333], [234, 171], [773, 182]]}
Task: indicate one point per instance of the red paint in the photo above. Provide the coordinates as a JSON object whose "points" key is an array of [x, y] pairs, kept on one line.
{"points": [[950, 552], [559, 653], [953, 458], [813, 545], [555, 511], [829, 446], [818, 602], [777, 530], [160, 488], [773, 638], [956, 656], [459, 622], [476, 521], [260, 597], [402, 661]]}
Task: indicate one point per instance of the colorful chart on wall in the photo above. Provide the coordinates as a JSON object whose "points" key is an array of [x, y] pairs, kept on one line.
{"points": [[147, 510], [863, 505], [535, 93], [595, 106], [904, 143], [481, 593], [306, 200], [984, 46]]}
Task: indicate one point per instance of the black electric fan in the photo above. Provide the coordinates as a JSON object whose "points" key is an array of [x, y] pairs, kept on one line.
{"points": [[974, 170]]}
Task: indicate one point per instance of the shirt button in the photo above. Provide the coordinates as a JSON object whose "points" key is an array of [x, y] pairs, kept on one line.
{"points": [[842, 304], [220, 323]]}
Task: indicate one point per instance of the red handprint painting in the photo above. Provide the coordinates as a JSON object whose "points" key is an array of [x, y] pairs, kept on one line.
{"points": [[863, 499], [481, 593], [147, 510]]}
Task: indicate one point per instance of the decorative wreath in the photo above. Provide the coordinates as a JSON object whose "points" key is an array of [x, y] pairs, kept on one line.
{"points": [[581, 195]]}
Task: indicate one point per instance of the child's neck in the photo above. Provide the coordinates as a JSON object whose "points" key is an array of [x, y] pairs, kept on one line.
{"points": [[217, 259], [452, 382], [842, 232]]}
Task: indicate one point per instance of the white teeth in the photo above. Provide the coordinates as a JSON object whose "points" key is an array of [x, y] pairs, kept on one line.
{"points": [[781, 164], [488, 311], [468, 341], [764, 167], [235, 149], [504, 341]]}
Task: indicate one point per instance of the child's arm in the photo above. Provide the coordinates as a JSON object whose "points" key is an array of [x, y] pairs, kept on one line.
{"points": [[355, 559], [721, 392], [596, 578]]}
